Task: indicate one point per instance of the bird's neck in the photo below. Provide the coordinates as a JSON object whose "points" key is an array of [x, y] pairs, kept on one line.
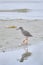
{"points": [[22, 30]]}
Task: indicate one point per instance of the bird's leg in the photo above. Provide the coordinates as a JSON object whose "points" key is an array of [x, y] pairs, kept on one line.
{"points": [[25, 41], [26, 44]]}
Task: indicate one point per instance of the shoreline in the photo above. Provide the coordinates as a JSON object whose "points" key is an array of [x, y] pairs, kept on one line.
{"points": [[21, 19]]}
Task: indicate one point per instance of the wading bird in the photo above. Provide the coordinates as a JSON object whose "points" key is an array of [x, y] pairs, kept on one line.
{"points": [[26, 34]]}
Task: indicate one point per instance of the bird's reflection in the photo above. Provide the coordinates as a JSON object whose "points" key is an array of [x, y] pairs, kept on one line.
{"points": [[25, 56]]}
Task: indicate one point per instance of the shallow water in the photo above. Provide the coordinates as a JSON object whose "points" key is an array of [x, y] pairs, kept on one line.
{"points": [[36, 12], [11, 57]]}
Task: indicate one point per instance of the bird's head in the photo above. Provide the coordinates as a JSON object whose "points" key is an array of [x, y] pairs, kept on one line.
{"points": [[20, 28]]}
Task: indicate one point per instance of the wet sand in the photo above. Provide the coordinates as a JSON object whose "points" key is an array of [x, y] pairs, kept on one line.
{"points": [[10, 38]]}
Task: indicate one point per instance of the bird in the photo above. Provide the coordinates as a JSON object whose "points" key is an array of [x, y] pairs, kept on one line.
{"points": [[26, 34]]}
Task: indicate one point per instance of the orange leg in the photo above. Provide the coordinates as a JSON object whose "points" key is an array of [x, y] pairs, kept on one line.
{"points": [[25, 41]]}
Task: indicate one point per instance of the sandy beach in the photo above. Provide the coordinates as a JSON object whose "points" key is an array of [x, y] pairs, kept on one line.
{"points": [[29, 15], [10, 38]]}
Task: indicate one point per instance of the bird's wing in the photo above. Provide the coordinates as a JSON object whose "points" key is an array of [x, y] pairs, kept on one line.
{"points": [[26, 33]]}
